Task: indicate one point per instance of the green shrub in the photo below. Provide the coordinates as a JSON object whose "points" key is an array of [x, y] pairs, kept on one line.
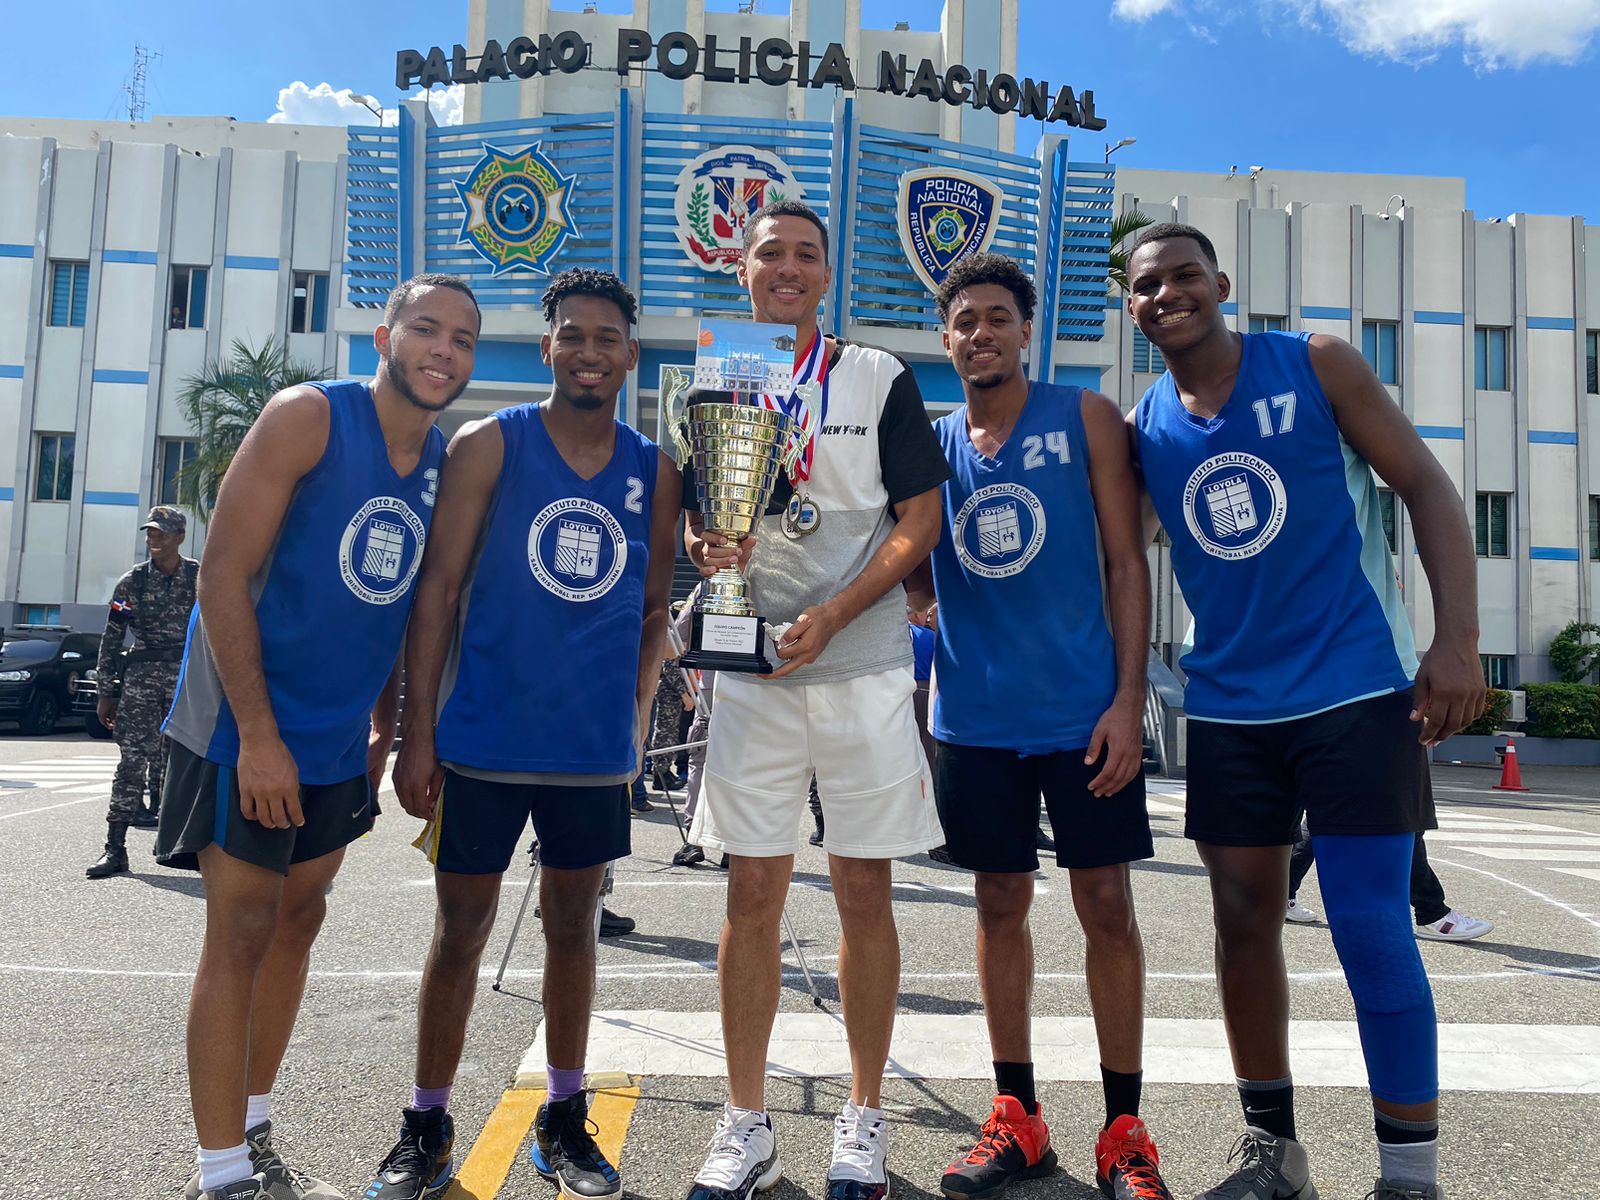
{"points": [[1563, 710], [1494, 714], [1573, 658]]}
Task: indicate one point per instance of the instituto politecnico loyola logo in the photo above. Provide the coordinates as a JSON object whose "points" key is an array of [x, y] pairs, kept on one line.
{"points": [[517, 209]]}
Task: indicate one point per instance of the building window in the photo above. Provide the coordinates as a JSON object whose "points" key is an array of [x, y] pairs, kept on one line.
{"points": [[1380, 342], [1391, 519], [1491, 524], [54, 467], [69, 293], [176, 454], [308, 308], [1594, 527], [1147, 359], [41, 614], [187, 308], [1489, 354], [1591, 357], [1496, 670], [1266, 324]]}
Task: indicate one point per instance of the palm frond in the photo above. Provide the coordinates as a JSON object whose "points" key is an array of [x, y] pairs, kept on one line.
{"points": [[221, 402], [1122, 228]]}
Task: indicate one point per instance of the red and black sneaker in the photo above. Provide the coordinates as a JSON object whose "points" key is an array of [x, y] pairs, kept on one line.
{"points": [[1127, 1164], [1013, 1145]]}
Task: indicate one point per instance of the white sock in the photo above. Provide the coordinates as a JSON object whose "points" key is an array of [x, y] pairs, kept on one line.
{"points": [[257, 1111], [219, 1168]]}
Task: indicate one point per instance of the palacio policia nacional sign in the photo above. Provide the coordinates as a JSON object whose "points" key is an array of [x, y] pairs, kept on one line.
{"points": [[773, 61]]}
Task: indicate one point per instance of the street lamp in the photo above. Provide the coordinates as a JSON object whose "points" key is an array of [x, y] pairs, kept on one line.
{"points": [[1110, 149], [370, 103]]}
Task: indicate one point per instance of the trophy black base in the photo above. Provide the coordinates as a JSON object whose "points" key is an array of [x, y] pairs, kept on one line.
{"points": [[720, 643]]}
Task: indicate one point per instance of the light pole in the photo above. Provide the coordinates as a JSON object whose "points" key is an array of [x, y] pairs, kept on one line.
{"points": [[370, 103], [1110, 149]]}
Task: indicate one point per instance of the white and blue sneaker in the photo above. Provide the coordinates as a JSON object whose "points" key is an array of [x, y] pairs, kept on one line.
{"points": [[741, 1159]]}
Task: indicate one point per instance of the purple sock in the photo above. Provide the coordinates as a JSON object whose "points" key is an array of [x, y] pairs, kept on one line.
{"points": [[563, 1083], [422, 1097]]}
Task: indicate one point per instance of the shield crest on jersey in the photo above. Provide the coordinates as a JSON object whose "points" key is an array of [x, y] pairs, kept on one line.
{"points": [[944, 215]]}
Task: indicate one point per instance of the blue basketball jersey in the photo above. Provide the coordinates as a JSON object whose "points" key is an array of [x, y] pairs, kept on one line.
{"points": [[332, 600], [1024, 659], [544, 672], [1277, 542]]}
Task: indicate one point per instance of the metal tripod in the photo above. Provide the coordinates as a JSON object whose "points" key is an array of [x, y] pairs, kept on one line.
{"points": [[693, 686]]}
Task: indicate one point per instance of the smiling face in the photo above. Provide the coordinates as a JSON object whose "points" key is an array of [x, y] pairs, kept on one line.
{"points": [[984, 334], [786, 271], [1175, 294], [427, 350], [590, 351], [160, 544]]}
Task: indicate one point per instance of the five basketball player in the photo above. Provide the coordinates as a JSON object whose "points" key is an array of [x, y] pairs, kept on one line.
{"points": [[1015, 524]]}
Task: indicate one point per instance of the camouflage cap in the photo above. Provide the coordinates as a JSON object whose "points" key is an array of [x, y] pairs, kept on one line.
{"points": [[167, 519]]}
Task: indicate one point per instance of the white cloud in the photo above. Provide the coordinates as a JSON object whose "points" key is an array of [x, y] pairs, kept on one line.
{"points": [[302, 104], [1140, 10], [1490, 33]]}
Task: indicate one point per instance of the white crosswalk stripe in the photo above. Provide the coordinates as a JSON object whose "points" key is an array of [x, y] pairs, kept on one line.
{"points": [[1561, 1059], [87, 776], [1509, 839]]}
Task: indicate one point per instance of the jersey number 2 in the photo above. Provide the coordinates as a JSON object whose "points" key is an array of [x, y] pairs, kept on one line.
{"points": [[635, 500]]}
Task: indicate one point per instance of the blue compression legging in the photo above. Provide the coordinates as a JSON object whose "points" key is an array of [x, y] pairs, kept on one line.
{"points": [[1366, 891]]}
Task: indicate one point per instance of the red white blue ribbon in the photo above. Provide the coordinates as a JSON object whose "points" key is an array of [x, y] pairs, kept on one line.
{"points": [[812, 363]]}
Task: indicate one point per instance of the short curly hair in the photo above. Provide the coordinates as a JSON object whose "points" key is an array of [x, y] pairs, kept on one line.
{"points": [[977, 269], [582, 281]]}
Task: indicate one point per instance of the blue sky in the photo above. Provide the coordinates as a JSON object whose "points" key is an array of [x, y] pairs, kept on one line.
{"points": [[1499, 92]]}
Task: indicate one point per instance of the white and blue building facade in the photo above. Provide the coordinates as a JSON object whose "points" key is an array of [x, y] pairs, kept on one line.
{"points": [[1484, 330]]}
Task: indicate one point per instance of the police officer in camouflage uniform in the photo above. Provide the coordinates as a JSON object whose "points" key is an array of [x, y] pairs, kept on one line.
{"points": [[153, 602]]}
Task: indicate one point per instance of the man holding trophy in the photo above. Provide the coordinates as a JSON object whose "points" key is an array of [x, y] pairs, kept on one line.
{"points": [[856, 506]]}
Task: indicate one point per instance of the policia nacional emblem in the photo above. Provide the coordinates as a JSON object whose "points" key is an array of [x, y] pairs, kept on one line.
{"points": [[517, 212], [944, 215]]}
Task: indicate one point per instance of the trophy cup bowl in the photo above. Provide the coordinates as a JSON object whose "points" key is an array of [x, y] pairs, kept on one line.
{"points": [[737, 451]]}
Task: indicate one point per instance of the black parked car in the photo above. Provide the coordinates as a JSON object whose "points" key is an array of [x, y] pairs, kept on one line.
{"points": [[47, 674]]}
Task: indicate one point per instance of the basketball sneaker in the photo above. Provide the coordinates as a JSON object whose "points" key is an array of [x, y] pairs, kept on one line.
{"points": [[564, 1151], [741, 1158], [420, 1164], [1270, 1168], [254, 1188], [860, 1145], [1384, 1190], [1126, 1163], [281, 1181], [1012, 1145]]}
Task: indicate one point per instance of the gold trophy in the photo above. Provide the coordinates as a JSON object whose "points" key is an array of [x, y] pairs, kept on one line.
{"points": [[737, 450]]}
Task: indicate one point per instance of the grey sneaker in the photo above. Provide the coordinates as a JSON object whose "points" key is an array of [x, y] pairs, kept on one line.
{"points": [[280, 1181], [254, 1188], [1270, 1168], [1384, 1190]]}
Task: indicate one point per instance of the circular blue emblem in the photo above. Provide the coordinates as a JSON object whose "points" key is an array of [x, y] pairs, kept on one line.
{"points": [[381, 550], [1234, 505], [512, 208], [999, 530], [577, 549]]}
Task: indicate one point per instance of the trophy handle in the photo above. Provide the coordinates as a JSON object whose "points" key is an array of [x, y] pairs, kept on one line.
{"points": [[676, 383]]}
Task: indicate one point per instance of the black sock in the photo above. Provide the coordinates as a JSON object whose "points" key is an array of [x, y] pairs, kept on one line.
{"points": [[1122, 1093], [1269, 1105], [1016, 1079]]}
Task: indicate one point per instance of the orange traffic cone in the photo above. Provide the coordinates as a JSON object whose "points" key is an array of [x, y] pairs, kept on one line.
{"points": [[1510, 774]]}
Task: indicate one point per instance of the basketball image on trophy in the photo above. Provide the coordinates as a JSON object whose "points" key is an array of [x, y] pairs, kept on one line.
{"points": [[736, 444]]}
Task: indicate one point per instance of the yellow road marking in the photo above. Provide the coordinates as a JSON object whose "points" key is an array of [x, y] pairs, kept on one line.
{"points": [[484, 1173], [488, 1164]]}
